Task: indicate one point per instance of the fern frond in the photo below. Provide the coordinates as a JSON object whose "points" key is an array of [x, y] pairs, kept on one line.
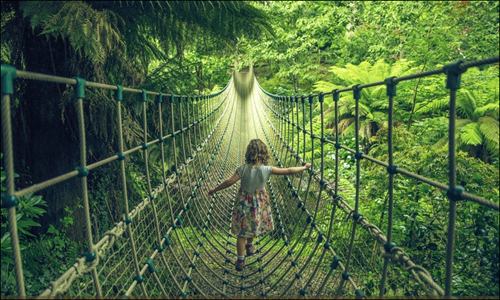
{"points": [[91, 32], [378, 92], [380, 70], [459, 124], [489, 127], [493, 147], [345, 106], [491, 108], [348, 129], [343, 74], [462, 122], [323, 86], [466, 103], [471, 135], [380, 104], [435, 105], [363, 71], [344, 124], [365, 111], [374, 100], [443, 142], [403, 67]]}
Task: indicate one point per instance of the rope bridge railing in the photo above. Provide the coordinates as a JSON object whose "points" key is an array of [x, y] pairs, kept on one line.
{"points": [[203, 119], [304, 255], [288, 129]]}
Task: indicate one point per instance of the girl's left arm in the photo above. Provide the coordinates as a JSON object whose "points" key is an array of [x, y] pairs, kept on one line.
{"points": [[290, 171], [225, 184]]}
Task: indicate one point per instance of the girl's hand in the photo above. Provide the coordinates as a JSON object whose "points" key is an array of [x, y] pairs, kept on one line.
{"points": [[211, 192], [308, 166]]}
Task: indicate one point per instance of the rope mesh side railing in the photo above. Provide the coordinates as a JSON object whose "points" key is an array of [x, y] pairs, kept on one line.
{"points": [[95, 260], [302, 206], [177, 240], [349, 213], [280, 108]]}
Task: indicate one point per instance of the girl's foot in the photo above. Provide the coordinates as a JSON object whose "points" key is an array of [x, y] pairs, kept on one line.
{"points": [[239, 264], [250, 249]]}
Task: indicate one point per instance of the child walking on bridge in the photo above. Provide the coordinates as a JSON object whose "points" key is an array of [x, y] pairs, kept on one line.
{"points": [[251, 215]]}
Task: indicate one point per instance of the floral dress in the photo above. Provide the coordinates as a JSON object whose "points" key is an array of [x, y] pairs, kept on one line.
{"points": [[252, 215]]}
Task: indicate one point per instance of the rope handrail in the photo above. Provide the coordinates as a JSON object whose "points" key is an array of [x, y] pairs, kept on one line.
{"points": [[462, 66], [72, 81]]}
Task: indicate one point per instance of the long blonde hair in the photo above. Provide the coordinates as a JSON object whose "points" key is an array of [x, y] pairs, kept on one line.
{"points": [[256, 152]]}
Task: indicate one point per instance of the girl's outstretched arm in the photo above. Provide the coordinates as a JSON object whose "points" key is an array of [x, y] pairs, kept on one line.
{"points": [[290, 171], [225, 184]]}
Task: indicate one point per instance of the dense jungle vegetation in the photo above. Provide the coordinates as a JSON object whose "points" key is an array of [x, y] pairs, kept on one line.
{"points": [[296, 48]]}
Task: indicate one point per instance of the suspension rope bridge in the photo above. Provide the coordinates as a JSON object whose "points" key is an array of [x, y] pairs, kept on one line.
{"points": [[178, 242]]}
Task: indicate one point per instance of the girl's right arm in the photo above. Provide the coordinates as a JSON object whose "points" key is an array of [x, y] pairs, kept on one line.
{"points": [[225, 184], [290, 171]]}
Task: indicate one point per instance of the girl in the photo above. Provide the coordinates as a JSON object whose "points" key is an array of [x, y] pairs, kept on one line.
{"points": [[252, 212]]}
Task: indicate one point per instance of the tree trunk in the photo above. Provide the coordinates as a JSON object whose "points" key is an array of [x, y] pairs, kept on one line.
{"points": [[295, 84], [414, 102], [485, 153], [199, 74]]}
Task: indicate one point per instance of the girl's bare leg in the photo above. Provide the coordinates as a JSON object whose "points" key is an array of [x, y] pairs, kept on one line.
{"points": [[240, 246], [249, 240]]}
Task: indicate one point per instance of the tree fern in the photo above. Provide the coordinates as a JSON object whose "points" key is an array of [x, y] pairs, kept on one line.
{"points": [[91, 33], [379, 92], [347, 129], [488, 109], [346, 105], [343, 125], [488, 126], [380, 69], [444, 140], [365, 110], [467, 103], [432, 106], [325, 87], [373, 100], [471, 135]]}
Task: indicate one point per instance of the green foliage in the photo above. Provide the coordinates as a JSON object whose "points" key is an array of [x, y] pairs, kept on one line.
{"points": [[102, 31], [421, 211], [309, 41], [477, 112], [44, 256], [373, 103], [27, 211], [91, 32], [295, 54]]}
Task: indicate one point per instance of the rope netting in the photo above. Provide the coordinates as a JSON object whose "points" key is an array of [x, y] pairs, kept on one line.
{"points": [[178, 241]]}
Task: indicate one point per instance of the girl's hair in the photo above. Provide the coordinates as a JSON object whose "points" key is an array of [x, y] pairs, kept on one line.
{"points": [[256, 152]]}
